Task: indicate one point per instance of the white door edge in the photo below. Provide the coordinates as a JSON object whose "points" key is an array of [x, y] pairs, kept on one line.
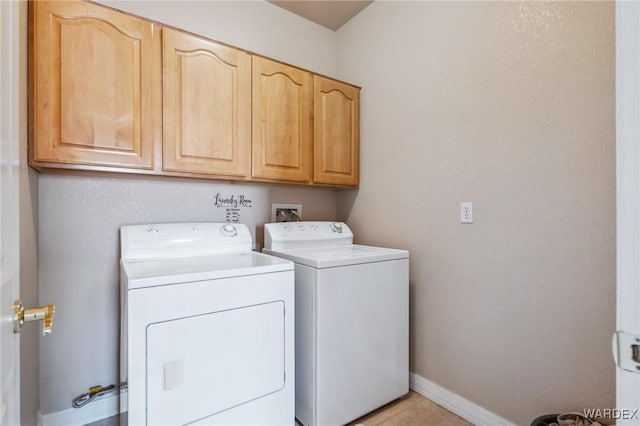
{"points": [[9, 213], [628, 191]]}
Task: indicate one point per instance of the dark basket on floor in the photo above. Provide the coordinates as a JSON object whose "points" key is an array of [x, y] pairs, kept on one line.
{"points": [[545, 420]]}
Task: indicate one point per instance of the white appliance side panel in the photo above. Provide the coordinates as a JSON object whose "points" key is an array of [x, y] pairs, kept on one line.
{"points": [[305, 343], [200, 366], [165, 303], [123, 338], [362, 339]]}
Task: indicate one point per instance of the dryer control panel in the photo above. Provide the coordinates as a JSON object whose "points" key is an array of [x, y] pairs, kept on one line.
{"points": [[290, 235], [183, 239]]}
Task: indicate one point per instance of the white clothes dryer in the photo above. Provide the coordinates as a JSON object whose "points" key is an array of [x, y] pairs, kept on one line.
{"points": [[207, 327], [352, 320]]}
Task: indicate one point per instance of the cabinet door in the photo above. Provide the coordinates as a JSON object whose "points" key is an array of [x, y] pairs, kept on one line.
{"points": [[336, 132], [282, 130], [93, 86], [207, 106]]}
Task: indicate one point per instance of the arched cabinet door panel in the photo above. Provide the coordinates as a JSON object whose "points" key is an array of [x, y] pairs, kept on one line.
{"points": [[336, 132], [93, 90], [282, 122], [206, 106]]}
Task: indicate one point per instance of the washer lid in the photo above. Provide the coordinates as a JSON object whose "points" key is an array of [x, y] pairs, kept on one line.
{"points": [[139, 273], [330, 257]]}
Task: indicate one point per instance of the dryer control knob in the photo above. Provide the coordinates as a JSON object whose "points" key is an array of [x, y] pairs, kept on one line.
{"points": [[228, 230], [336, 227]]}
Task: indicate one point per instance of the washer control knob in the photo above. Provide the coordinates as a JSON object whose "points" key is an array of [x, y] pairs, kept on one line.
{"points": [[229, 230], [336, 227], [313, 227], [288, 227]]}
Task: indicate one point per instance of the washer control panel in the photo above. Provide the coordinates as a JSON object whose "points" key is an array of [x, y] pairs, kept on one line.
{"points": [[306, 234], [336, 227], [300, 227]]}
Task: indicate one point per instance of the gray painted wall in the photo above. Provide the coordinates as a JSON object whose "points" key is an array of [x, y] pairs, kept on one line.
{"points": [[80, 216], [257, 26], [509, 105]]}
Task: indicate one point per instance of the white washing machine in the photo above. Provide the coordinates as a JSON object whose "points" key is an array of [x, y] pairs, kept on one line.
{"points": [[207, 327], [352, 320]]}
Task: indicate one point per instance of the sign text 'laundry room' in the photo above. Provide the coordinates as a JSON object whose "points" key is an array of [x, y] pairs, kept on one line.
{"points": [[232, 201], [232, 204]]}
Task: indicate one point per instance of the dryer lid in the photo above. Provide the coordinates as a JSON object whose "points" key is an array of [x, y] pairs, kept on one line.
{"points": [[140, 273]]}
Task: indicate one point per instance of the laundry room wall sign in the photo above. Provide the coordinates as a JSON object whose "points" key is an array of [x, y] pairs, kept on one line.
{"points": [[233, 205]]}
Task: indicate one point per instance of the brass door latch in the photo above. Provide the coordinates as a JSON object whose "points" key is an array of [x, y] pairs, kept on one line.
{"points": [[22, 315]]}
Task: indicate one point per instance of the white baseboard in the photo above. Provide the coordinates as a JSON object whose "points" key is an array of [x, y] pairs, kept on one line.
{"points": [[92, 412], [110, 406], [455, 403]]}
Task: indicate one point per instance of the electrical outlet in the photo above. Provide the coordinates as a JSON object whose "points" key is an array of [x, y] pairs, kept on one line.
{"points": [[466, 212]]}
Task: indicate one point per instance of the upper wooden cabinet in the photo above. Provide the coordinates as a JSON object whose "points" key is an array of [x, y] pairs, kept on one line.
{"points": [[93, 90], [282, 122], [336, 132], [113, 92], [206, 106]]}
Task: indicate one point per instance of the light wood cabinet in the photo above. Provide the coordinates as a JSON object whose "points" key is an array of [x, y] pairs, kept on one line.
{"points": [[336, 132], [282, 137], [206, 106], [93, 93], [113, 92]]}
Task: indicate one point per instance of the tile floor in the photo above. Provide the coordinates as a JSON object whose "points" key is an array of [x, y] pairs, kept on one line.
{"points": [[412, 410]]}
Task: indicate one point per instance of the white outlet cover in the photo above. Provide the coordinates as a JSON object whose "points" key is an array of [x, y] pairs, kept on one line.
{"points": [[466, 212], [275, 206]]}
